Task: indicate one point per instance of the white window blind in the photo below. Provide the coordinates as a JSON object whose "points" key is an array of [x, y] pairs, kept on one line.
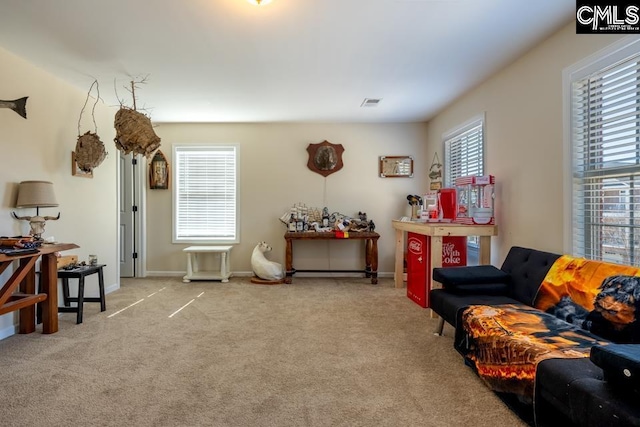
{"points": [[205, 193], [464, 152], [606, 163]]}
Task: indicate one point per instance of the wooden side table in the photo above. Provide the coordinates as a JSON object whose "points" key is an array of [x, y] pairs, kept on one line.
{"points": [[371, 252], [24, 276], [193, 268], [80, 273], [437, 231]]}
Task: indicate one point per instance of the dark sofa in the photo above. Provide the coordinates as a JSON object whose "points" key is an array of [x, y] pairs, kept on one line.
{"points": [[600, 390]]}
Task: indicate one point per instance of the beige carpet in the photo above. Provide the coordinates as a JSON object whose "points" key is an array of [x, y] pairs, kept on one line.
{"points": [[319, 352]]}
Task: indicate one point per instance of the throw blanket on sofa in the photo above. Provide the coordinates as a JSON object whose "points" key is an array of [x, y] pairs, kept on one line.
{"points": [[578, 279], [504, 343], [597, 296]]}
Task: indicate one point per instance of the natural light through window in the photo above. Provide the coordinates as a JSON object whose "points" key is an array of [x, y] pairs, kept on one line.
{"points": [[606, 163]]}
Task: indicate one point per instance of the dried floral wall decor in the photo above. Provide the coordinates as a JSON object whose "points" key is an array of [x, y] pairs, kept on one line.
{"points": [[134, 131], [90, 151]]}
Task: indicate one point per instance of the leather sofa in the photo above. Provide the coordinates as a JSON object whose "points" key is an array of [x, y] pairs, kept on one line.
{"points": [[603, 389]]}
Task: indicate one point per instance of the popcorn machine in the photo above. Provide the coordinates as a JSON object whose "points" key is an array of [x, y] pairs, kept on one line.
{"points": [[476, 198]]}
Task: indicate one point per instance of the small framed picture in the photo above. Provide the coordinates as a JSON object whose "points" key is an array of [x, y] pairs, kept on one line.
{"points": [[159, 172], [396, 167]]}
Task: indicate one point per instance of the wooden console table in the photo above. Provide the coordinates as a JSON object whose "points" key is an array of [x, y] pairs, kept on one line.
{"points": [[371, 252], [437, 231], [26, 299]]}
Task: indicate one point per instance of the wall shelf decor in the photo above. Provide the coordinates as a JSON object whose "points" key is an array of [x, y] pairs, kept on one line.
{"points": [[396, 167], [159, 172]]}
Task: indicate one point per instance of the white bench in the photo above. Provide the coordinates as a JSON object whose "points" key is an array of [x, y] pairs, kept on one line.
{"points": [[193, 270]]}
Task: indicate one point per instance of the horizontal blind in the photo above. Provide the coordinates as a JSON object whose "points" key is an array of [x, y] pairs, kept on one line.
{"points": [[205, 202], [606, 164], [464, 153]]}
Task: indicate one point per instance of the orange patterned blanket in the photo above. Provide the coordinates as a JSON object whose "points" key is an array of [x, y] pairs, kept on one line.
{"points": [[579, 304], [504, 344], [578, 279]]}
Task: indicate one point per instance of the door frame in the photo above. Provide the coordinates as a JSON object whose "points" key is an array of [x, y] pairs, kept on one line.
{"points": [[139, 189]]}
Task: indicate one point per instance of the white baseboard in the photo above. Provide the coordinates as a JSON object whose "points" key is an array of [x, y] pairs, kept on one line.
{"points": [[384, 274], [8, 331], [111, 288]]}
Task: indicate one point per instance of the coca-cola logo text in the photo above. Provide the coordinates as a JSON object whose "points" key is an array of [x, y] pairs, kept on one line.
{"points": [[414, 246]]}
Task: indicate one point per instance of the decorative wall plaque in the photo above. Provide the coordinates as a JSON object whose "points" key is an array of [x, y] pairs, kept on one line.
{"points": [[325, 158], [396, 167]]}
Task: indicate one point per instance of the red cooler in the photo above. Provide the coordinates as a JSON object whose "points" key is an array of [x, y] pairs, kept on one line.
{"points": [[454, 253]]}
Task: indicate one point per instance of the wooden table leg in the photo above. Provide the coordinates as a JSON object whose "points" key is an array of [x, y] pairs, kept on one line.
{"points": [[373, 258], [28, 286], [289, 261], [367, 257], [485, 250], [399, 264], [49, 273], [436, 262]]}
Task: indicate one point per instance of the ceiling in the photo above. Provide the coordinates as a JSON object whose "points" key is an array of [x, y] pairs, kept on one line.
{"points": [[289, 61]]}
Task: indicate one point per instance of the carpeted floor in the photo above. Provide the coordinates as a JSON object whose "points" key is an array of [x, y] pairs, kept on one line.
{"points": [[318, 352]]}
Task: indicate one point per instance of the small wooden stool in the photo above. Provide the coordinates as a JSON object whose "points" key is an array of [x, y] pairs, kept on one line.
{"points": [[80, 273]]}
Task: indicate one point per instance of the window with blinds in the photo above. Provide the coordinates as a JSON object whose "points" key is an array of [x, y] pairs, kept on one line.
{"points": [[205, 194], [464, 156], [605, 136], [464, 152]]}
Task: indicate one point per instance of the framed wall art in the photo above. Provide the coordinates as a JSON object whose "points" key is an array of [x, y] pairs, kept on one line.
{"points": [[159, 172], [396, 167], [325, 158]]}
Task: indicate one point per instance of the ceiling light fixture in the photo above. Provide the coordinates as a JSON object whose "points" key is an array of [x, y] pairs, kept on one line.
{"points": [[259, 2]]}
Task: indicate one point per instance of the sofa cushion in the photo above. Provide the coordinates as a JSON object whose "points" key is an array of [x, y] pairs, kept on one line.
{"points": [[527, 268], [480, 289], [575, 388], [620, 364], [451, 277]]}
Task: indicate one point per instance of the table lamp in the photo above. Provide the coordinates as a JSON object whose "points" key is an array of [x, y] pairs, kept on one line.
{"points": [[36, 194]]}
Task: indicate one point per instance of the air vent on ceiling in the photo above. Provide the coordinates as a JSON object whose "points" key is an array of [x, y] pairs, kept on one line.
{"points": [[371, 102]]}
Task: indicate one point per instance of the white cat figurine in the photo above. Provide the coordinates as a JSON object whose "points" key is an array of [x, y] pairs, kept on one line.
{"points": [[262, 267]]}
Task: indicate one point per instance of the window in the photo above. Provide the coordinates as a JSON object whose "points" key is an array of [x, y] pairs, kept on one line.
{"points": [[464, 151], [464, 156], [205, 194], [605, 155]]}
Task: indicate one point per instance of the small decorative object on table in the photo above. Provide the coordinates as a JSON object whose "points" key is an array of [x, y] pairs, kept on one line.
{"points": [[301, 218], [36, 194]]}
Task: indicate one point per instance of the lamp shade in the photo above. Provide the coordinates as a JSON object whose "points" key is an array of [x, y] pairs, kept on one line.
{"points": [[36, 194]]}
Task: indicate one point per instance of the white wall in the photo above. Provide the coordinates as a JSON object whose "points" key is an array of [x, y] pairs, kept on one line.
{"points": [[524, 139], [39, 148], [274, 176]]}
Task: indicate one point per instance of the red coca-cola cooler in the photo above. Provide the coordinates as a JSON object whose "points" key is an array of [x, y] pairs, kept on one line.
{"points": [[454, 253]]}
